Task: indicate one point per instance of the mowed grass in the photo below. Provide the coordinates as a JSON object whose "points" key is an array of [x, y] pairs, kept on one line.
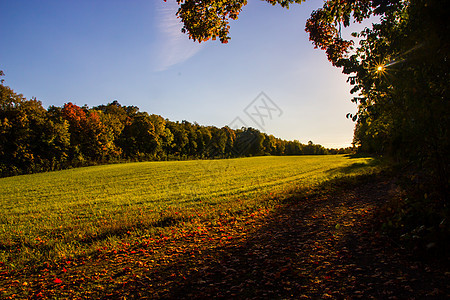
{"points": [[65, 214]]}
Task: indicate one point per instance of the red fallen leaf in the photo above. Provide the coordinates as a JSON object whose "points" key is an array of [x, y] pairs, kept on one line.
{"points": [[57, 280], [64, 270]]}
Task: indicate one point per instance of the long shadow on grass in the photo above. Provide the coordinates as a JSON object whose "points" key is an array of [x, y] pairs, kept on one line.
{"points": [[313, 246], [355, 167]]}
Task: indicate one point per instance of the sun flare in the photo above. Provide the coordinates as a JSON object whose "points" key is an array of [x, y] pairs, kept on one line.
{"points": [[379, 69]]}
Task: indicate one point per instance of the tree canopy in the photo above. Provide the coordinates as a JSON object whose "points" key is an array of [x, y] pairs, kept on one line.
{"points": [[209, 19]]}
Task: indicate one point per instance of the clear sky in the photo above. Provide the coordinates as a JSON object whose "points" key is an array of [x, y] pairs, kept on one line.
{"points": [[93, 52]]}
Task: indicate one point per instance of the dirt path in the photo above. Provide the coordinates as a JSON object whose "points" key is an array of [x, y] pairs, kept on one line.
{"points": [[321, 246]]}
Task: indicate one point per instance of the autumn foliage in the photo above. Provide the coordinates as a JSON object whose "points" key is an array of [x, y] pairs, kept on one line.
{"points": [[34, 139]]}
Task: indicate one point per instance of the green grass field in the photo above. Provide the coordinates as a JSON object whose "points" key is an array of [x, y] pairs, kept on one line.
{"points": [[69, 213]]}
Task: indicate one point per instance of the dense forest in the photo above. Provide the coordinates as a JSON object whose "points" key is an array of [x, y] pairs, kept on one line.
{"points": [[35, 139]]}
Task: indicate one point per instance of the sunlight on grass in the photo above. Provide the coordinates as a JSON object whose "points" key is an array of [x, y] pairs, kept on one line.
{"points": [[72, 212]]}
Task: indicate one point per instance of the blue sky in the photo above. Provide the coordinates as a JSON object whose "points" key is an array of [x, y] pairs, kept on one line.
{"points": [[93, 52]]}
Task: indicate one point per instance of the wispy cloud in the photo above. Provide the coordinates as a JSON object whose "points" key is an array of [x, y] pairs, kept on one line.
{"points": [[174, 47]]}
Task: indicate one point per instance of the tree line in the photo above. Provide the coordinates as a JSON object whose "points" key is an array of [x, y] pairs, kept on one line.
{"points": [[35, 139]]}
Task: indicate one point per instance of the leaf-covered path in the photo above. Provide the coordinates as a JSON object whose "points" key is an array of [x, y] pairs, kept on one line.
{"points": [[321, 245]]}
